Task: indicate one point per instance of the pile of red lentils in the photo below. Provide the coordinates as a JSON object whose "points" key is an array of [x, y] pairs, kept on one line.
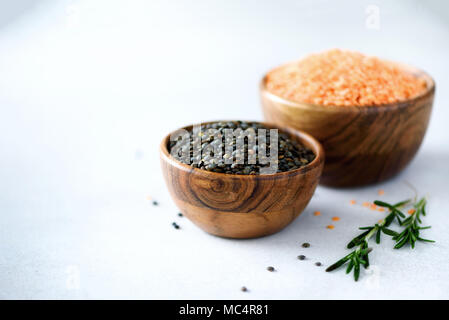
{"points": [[344, 78]]}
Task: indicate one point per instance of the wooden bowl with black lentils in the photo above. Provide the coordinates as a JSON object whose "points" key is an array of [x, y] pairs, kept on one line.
{"points": [[241, 179]]}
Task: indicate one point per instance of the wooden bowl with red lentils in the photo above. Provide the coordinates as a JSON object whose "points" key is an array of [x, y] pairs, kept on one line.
{"points": [[369, 114]]}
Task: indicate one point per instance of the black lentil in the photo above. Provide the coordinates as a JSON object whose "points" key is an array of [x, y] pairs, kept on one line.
{"points": [[306, 245], [244, 289], [318, 264], [271, 269], [155, 203], [302, 257], [291, 153], [180, 214], [175, 225]]}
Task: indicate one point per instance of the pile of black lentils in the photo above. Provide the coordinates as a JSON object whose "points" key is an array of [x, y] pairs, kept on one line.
{"points": [[291, 153]]}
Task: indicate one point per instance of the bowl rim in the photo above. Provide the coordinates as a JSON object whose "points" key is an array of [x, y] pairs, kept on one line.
{"points": [[302, 136], [414, 70]]}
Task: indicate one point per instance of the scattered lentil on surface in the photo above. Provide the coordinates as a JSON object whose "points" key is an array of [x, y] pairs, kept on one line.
{"points": [[317, 213], [271, 269], [155, 203], [330, 226], [318, 264], [411, 211], [244, 289], [381, 192], [306, 245], [180, 214], [335, 218], [175, 225], [352, 202], [302, 257], [344, 78]]}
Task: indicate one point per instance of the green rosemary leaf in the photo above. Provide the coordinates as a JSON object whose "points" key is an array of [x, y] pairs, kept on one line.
{"points": [[357, 240], [367, 261], [339, 263], [420, 203], [400, 204], [356, 271], [408, 220], [399, 213], [412, 241], [425, 240], [350, 265], [389, 232], [423, 211], [383, 204], [389, 219], [400, 235], [364, 252], [401, 242], [378, 236]]}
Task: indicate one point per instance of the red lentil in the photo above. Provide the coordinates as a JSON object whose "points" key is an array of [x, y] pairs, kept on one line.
{"points": [[344, 78]]}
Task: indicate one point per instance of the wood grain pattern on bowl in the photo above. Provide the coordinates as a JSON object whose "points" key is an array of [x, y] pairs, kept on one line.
{"points": [[242, 206], [363, 145]]}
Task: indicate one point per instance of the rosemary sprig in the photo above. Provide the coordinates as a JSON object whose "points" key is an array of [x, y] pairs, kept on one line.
{"points": [[355, 259], [394, 208], [410, 234], [360, 255], [412, 227], [378, 228]]}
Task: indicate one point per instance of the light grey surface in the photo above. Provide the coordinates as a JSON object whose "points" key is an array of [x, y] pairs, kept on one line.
{"points": [[87, 91]]}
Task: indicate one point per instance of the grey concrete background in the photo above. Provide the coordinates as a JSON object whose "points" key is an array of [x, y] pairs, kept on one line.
{"points": [[89, 88]]}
